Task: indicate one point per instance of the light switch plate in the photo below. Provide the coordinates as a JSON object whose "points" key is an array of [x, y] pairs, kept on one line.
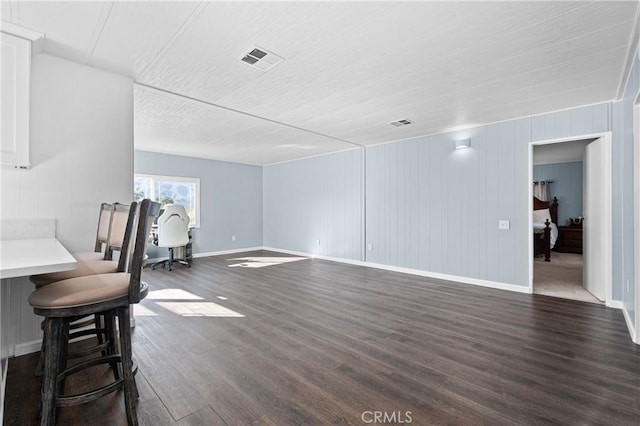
{"points": [[504, 224]]}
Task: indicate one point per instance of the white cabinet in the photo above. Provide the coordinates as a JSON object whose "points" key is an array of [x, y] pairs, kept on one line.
{"points": [[14, 92]]}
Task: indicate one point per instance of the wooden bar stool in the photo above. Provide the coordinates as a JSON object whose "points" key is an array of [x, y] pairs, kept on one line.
{"points": [[109, 295], [115, 225]]}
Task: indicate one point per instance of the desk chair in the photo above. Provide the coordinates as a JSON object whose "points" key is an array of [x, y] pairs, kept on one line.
{"points": [[108, 295], [173, 232]]}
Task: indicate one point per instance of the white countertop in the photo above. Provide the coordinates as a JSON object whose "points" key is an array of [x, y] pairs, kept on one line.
{"points": [[24, 257]]}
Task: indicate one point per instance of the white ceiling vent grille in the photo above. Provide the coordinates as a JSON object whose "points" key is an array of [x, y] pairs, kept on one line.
{"points": [[261, 59], [400, 123]]}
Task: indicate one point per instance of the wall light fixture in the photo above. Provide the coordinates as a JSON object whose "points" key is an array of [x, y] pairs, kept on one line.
{"points": [[462, 144]]}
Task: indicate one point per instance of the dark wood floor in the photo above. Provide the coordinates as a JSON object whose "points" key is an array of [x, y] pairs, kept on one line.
{"points": [[321, 343]]}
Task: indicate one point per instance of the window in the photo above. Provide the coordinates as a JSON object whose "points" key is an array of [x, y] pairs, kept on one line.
{"points": [[181, 191]]}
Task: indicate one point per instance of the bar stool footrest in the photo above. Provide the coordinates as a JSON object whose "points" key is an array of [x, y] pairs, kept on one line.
{"points": [[81, 398]]}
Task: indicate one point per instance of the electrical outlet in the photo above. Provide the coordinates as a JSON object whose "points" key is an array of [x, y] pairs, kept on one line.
{"points": [[233, 238], [317, 242], [370, 247], [503, 224]]}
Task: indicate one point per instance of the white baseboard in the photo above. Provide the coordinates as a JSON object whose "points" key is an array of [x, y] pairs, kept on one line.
{"points": [[207, 254], [3, 385], [419, 272], [616, 304], [630, 326], [221, 252], [28, 347], [35, 345]]}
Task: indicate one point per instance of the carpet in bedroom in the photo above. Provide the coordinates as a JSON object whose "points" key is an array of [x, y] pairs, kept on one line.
{"points": [[562, 277]]}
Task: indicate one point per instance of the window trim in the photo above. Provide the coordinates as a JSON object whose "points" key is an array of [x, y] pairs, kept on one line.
{"points": [[181, 179]]}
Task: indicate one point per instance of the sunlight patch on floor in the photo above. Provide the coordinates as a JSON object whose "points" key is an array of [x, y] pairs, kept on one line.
{"points": [[143, 311], [172, 294], [261, 262], [199, 309]]}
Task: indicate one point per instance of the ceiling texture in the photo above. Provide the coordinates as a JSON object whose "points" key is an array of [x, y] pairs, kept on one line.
{"points": [[349, 68], [564, 152]]}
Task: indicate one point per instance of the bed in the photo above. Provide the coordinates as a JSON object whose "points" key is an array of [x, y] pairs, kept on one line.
{"points": [[545, 230]]}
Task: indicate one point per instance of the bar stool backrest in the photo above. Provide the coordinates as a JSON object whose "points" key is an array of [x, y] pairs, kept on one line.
{"points": [[104, 224], [121, 223], [147, 211]]}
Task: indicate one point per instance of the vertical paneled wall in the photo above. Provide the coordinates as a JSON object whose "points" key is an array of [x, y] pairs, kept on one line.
{"points": [[623, 211], [315, 205], [427, 206], [566, 186], [81, 155], [434, 208], [230, 200]]}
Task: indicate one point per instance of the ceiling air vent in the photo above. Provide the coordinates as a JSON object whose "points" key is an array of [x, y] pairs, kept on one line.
{"points": [[400, 123], [261, 59]]}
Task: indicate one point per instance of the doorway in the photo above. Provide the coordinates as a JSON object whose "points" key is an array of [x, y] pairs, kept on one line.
{"points": [[578, 172]]}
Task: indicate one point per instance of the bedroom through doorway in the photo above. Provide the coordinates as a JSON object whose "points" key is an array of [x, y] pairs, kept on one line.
{"points": [[561, 182]]}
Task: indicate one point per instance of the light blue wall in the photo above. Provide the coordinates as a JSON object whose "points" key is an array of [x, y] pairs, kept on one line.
{"points": [[566, 186], [231, 200], [428, 206], [433, 208], [623, 260], [315, 199]]}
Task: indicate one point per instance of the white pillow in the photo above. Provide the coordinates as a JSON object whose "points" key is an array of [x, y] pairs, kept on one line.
{"points": [[541, 216]]}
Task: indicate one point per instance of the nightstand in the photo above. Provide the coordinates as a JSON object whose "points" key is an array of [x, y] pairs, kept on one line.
{"points": [[570, 239]]}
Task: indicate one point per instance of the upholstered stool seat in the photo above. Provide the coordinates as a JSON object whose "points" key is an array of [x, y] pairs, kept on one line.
{"points": [[90, 263], [115, 220], [81, 291]]}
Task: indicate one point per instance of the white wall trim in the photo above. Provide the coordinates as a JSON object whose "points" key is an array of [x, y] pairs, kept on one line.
{"points": [[615, 304], [419, 272], [28, 347], [3, 385], [323, 154], [630, 58], [18, 31], [618, 304], [209, 253], [231, 251], [636, 208]]}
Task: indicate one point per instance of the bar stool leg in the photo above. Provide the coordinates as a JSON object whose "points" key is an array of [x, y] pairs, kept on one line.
{"points": [[63, 349], [127, 366], [40, 364], [110, 326], [52, 339]]}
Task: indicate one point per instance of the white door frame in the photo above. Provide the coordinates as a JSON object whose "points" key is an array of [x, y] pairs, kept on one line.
{"points": [[607, 204], [636, 209]]}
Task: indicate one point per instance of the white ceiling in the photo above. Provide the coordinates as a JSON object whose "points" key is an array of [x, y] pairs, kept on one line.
{"points": [[350, 68], [563, 152]]}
